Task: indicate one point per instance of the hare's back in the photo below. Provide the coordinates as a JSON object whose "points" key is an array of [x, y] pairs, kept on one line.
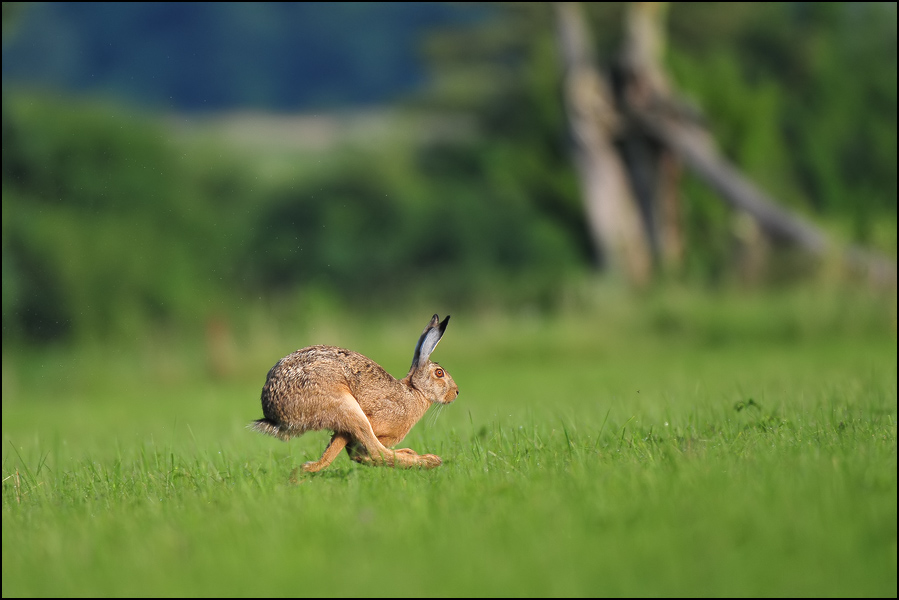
{"points": [[312, 364], [318, 368]]}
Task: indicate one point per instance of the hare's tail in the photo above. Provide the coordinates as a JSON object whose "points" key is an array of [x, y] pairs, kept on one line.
{"points": [[270, 428]]}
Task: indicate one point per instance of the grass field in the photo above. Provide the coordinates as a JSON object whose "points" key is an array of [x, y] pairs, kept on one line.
{"points": [[680, 445]]}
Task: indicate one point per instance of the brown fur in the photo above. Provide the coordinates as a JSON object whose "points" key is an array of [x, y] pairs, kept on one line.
{"points": [[369, 410]]}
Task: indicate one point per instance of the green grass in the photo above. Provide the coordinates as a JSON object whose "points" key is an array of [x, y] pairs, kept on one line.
{"points": [[681, 445]]}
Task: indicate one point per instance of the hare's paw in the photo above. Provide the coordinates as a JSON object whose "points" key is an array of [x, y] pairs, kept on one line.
{"points": [[411, 459], [429, 461], [404, 458], [313, 466]]}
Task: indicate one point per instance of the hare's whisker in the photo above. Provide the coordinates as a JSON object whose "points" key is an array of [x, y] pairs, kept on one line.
{"points": [[435, 414]]}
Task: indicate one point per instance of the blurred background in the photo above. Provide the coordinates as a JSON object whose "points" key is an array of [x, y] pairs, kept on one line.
{"points": [[665, 232], [200, 168]]}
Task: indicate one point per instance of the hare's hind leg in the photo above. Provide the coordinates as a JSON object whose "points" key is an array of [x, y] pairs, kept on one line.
{"points": [[353, 430], [338, 441], [365, 446]]}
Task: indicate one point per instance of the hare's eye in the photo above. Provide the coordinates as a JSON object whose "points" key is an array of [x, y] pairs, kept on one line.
{"points": [[439, 372]]}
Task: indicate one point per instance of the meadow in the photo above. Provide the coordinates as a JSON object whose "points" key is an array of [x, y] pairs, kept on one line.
{"points": [[677, 445]]}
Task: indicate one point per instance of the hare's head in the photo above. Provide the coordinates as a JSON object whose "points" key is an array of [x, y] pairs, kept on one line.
{"points": [[428, 377]]}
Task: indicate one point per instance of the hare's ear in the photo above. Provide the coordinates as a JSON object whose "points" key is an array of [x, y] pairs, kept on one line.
{"points": [[428, 340]]}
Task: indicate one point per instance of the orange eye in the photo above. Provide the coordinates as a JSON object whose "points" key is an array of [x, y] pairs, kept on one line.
{"points": [[439, 372]]}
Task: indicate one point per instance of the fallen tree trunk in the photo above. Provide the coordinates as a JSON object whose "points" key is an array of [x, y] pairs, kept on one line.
{"points": [[692, 144]]}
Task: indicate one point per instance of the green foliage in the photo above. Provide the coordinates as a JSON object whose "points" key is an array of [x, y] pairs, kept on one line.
{"points": [[504, 70], [803, 96], [390, 225], [110, 226], [104, 224], [738, 445]]}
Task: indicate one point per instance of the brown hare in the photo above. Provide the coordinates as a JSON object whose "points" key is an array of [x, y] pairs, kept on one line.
{"points": [[369, 410]]}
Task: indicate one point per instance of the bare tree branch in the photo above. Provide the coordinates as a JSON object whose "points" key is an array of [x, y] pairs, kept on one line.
{"points": [[693, 145]]}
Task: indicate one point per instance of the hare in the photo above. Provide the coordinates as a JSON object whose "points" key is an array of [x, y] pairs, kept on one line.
{"points": [[369, 410]]}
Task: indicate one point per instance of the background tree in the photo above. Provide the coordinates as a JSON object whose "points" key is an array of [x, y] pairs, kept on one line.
{"points": [[761, 143]]}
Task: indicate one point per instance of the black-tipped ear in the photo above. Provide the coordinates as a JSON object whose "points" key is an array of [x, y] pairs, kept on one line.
{"points": [[428, 340]]}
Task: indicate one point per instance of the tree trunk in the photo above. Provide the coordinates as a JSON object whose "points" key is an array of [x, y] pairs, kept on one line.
{"points": [[612, 214], [654, 169]]}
